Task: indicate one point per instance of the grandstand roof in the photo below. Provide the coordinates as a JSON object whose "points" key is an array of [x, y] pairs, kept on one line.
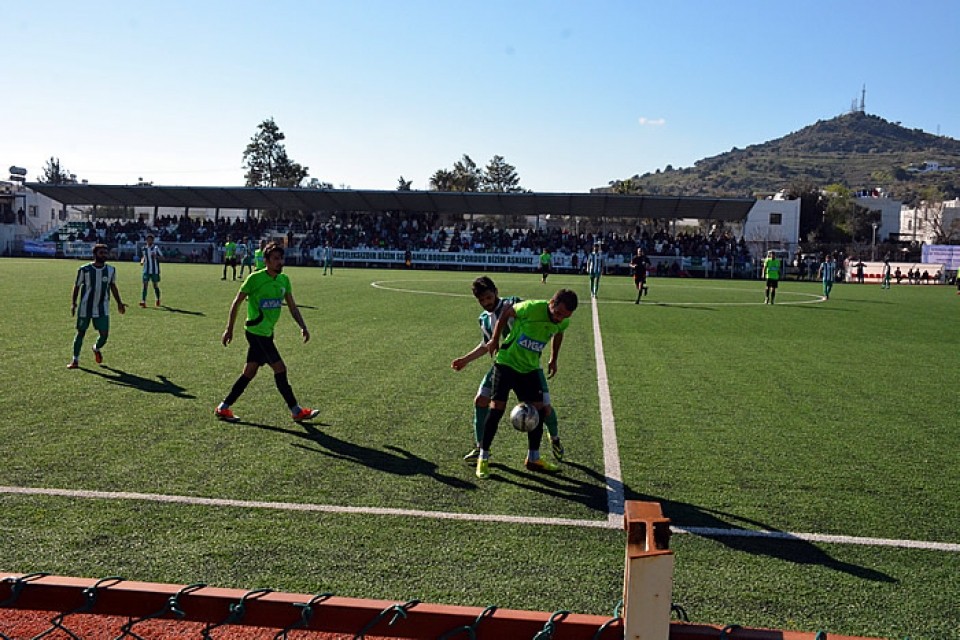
{"points": [[292, 199]]}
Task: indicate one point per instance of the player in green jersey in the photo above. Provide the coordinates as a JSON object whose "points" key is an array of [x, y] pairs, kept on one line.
{"points": [[772, 271], [95, 282], [258, 260], [546, 261], [229, 257], [264, 291], [487, 295], [535, 323]]}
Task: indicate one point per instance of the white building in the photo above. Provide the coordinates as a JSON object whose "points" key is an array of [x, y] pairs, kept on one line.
{"points": [[772, 224], [922, 224], [889, 215]]}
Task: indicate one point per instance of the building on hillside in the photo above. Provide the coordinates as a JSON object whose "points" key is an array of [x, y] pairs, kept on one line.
{"points": [[772, 224], [931, 223]]}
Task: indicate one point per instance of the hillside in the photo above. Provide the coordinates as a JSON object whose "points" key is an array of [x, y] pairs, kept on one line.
{"points": [[858, 150]]}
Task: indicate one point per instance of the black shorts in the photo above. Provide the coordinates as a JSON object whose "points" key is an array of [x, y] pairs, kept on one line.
{"points": [[639, 278], [771, 284], [262, 350], [545, 269], [527, 386]]}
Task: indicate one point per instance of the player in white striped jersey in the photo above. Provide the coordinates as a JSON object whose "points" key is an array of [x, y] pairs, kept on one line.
{"points": [[150, 259], [827, 273], [493, 305], [95, 282]]}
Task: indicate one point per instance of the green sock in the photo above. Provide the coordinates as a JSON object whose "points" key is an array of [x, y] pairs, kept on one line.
{"points": [[479, 419], [550, 421], [77, 345]]}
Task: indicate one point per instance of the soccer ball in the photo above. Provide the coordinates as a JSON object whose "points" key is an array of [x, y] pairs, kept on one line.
{"points": [[524, 417]]}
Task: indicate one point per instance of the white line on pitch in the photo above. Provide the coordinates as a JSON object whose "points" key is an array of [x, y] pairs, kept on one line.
{"points": [[298, 506], [709, 532], [611, 454]]}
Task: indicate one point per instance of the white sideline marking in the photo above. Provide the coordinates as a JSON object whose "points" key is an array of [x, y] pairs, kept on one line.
{"points": [[710, 532], [299, 506], [471, 517], [611, 454]]}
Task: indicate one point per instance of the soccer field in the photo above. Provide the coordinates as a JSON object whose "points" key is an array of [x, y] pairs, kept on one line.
{"points": [[829, 425]]}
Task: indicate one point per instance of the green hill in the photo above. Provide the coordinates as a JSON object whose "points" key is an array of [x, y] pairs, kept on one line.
{"points": [[857, 150]]}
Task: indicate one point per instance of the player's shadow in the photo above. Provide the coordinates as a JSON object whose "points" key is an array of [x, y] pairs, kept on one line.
{"points": [[721, 526], [560, 485], [162, 384], [182, 311], [394, 460]]}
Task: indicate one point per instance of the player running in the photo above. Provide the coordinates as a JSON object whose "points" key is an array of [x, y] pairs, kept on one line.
{"points": [[639, 264], [150, 260], [486, 293], [595, 269]]}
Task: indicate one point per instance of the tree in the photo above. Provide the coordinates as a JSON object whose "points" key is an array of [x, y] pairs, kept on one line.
{"points": [[500, 176], [837, 215], [628, 187], [267, 162], [54, 173], [931, 210], [442, 180], [404, 185], [466, 175], [812, 206]]}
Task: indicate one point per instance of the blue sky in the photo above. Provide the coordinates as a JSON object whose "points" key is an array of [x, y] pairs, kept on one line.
{"points": [[574, 94]]}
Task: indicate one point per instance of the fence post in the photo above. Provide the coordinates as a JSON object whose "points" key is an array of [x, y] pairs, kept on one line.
{"points": [[648, 575]]}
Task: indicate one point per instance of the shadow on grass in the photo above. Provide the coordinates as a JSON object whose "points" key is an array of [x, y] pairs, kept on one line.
{"points": [[744, 534], [394, 460], [148, 385], [739, 533], [182, 311], [555, 485]]}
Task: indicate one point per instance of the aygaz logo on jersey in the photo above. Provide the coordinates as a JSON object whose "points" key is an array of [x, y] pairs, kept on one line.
{"points": [[529, 343], [271, 303]]}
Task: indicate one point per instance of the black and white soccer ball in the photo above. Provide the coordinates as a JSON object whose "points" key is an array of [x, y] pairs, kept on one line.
{"points": [[524, 417]]}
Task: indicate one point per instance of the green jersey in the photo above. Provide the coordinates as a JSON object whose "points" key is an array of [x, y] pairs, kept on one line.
{"points": [[531, 332], [545, 259], [265, 295], [771, 267], [259, 259], [229, 249]]}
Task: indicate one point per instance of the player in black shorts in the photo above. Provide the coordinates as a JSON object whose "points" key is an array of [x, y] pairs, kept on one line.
{"points": [[639, 265]]}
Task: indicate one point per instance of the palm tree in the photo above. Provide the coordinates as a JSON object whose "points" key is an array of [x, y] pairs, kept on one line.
{"points": [[442, 180]]}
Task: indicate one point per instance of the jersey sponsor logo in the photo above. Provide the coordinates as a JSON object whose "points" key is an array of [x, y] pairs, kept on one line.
{"points": [[271, 303], [530, 344]]}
